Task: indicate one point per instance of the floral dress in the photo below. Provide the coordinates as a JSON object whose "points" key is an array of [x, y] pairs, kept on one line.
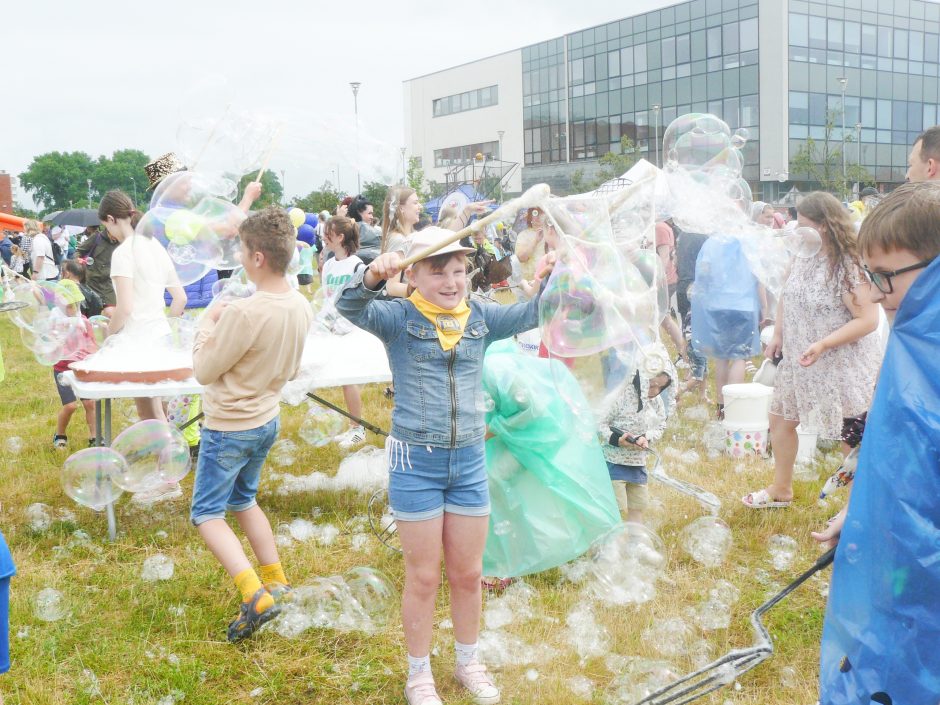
{"points": [[841, 382]]}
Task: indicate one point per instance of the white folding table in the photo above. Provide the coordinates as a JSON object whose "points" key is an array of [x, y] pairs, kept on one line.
{"points": [[106, 391]]}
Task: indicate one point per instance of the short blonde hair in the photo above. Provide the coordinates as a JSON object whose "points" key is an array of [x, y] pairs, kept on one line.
{"points": [[31, 227]]}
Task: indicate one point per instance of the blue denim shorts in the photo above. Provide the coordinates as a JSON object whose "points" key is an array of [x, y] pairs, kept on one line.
{"points": [[426, 481], [229, 469]]}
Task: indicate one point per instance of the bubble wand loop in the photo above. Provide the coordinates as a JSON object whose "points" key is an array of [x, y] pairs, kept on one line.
{"points": [[534, 195], [707, 499]]}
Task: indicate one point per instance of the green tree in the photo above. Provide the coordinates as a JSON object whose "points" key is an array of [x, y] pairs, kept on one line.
{"points": [[56, 180], [123, 171], [375, 193], [415, 178], [326, 198], [820, 163], [271, 190], [613, 165], [23, 212]]}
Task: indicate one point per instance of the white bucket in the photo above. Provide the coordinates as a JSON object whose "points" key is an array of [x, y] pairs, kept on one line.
{"points": [[747, 406], [745, 439], [806, 451]]}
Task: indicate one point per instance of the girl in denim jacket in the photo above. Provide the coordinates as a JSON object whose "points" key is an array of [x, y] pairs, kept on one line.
{"points": [[437, 484]]}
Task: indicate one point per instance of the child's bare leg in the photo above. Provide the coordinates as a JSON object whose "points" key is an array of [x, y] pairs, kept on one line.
{"points": [[149, 408], [89, 406], [353, 401], [464, 540], [421, 547], [257, 528], [224, 545], [65, 415]]}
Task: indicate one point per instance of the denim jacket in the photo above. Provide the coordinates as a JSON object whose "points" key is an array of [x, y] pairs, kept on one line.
{"points": [[438, 394]]}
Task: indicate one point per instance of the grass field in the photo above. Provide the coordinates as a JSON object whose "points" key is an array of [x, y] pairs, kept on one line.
{"points": [[130, 641]]}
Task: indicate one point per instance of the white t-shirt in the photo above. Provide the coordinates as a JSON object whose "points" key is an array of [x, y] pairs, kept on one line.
{"points": [[336, 273], [43, 248], [144, 260]]}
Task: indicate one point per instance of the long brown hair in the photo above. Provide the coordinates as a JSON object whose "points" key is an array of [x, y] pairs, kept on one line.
{"points": [[391, 211], [118, 205], [839, 237], [349, 229]]}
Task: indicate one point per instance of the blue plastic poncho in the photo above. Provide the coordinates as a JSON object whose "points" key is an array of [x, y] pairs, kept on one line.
{"points": [[550, 493], [725, 301], [881, 639]]}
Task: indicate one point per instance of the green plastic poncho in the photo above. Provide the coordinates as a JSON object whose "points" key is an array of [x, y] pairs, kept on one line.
{"points": [[550, 492]]}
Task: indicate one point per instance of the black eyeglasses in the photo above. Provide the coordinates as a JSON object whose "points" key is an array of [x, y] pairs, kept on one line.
{"points": [[882, 280]]}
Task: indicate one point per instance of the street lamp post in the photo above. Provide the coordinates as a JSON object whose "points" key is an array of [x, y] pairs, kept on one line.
{"points": [[355, 89], [404, 170], [89, 193], [858, 156], [844, 81], [284, 185], [501, 133], [656, 108], [134, 183]]}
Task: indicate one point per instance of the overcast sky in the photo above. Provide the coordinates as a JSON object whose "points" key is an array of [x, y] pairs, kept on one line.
{"points": [[102, 75]]}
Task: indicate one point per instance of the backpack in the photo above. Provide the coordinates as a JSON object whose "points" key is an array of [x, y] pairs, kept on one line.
{"points": [[92, 305], [56, 253]]}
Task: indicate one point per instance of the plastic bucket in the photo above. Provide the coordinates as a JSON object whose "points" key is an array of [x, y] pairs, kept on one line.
{"points": [[747, 406], [743, 441], [806, 451]]}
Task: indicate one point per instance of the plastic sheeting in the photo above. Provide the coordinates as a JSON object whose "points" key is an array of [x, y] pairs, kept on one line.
{"points": [[882, 630], [550, 492]]}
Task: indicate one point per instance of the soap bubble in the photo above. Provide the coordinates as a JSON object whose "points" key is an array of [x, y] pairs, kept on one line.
{"points": [[90, 476], [328, 603], [588, 638], [641, 678], [670, 637], [199, 254], [234, 287], [320, 426], [581, 686], [701, 142], [38, 517], [707, 540], [14, 444], [99, 328], [49, 605], [783, 550], [802, 242], [625, 564], [157, 567], [283, 452], [374, 591], [230, 145], [156, 454], [39, 297], [184, 189]]}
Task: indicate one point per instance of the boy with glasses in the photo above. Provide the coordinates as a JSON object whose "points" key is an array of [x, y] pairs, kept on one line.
{"points": [[882, 625]]}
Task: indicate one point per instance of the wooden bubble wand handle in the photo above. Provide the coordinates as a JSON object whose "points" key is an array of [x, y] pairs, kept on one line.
{"points": [[267, 156], [532, 197]]}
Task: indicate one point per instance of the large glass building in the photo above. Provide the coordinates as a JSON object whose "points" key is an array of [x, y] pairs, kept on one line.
{"points": [[859, 72]]}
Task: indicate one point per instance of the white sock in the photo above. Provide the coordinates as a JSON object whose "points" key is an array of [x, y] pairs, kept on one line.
{"points": [[418, 665], [466, 653]]}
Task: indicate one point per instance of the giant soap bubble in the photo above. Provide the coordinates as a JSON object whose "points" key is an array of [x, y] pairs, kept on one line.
{"points": [[89, 476], [155, 452]]}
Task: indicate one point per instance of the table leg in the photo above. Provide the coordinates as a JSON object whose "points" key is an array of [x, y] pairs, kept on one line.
{"points": [[104, 438]]}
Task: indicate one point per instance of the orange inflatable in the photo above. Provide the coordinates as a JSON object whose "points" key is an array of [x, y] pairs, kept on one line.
{"points": [[11, 222]]}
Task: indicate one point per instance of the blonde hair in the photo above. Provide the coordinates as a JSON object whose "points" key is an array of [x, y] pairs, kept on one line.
{"points": [[447, 216], [31, 227], [391, 211]]}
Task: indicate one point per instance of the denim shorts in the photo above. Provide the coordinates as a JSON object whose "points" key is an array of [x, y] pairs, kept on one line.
{"points": [[229, 469], [426, 481]]}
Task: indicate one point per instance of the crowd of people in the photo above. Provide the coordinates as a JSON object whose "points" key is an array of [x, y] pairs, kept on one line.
{"points": [[832, 372]]}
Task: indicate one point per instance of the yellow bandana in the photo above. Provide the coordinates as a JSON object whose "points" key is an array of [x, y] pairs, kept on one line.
{"points": [[449, 323]]}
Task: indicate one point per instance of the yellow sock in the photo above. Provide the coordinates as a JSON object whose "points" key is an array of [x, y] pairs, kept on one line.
{"points": [[248, 584], [273, 573]]}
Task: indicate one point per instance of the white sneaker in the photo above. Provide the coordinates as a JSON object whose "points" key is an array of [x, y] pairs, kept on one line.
{"points": [[160, 493], [354, 436], [474, 678]]}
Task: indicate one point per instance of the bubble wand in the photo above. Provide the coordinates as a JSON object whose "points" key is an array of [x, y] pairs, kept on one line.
{"points": [[267, 157], [534, 195], [209, 138]]}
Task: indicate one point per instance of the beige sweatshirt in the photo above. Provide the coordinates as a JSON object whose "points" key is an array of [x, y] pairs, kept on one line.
{"points": [[247, 356]]}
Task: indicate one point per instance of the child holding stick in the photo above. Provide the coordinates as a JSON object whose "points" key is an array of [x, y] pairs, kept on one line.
{"points": [[437, 483]]}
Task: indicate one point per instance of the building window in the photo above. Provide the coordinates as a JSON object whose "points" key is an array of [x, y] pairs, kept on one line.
{"points": [[461, 102], [452, 156]]}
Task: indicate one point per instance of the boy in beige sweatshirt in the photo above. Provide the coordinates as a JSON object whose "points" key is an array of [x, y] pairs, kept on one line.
{"points": [[244, 353]]}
